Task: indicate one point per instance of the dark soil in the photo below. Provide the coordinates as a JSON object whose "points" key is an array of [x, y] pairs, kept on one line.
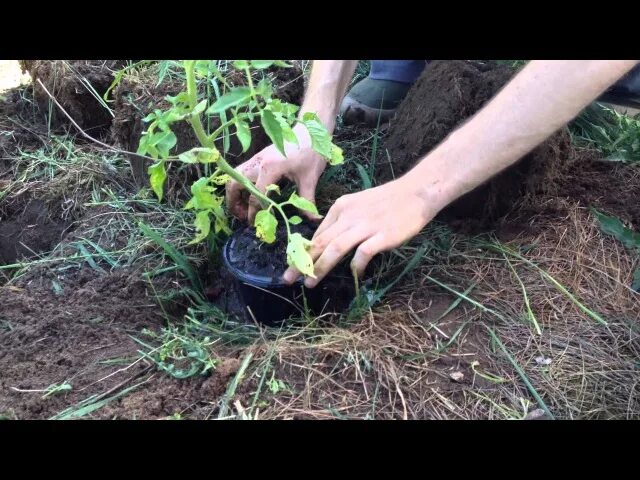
{"points": [[64, 80], [447, 94], [266, 263], [80, 328], [254, 257], [29, 231]]}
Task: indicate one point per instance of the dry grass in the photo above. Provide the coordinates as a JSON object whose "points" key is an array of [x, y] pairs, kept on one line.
{"points": [[392, 364]]}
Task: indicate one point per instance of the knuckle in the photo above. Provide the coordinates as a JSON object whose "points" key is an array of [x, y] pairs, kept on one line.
{"points": [[367, 250]]}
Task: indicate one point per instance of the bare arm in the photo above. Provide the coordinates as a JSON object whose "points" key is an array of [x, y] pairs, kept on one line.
{"points": [[327, 85], [542, 98]]}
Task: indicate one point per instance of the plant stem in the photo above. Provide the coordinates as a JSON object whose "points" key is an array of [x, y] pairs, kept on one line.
{"points": [[192, 92], [208, 141]]}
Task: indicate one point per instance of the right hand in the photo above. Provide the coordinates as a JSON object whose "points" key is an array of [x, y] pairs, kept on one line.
{"points": [[302, 165]]}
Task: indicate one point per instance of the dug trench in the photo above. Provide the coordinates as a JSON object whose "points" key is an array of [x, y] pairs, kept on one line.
{"points": [[81, 333]]}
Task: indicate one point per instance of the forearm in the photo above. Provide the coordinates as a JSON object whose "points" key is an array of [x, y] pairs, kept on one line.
{"points": [[536, 103], [327, 86]]}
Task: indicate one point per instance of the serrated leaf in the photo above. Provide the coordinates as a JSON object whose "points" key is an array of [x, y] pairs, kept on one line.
{"points": [[243, 132], [203, 226], [321, 140], [181, 98], [273, 129], [157, 177], [302, 203], [201, 107], [200, 155], [273, 188], [164, 142], [295, 220], [266, 224], [235, 98], [264, 89], [298, 254], [202, 196], [221, 179]]}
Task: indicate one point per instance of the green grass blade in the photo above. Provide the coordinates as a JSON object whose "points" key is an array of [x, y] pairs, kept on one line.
{"points": [[522, 374]]}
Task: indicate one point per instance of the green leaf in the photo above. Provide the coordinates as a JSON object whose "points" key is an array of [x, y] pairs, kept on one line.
{"points": [[364, 177], [636, 281], [200, 155], [221, 179], [298, 254], [181, 99], [241, 64], [243, 132], [143, 145], [201, 107], [295, 220], [613, 226], [321, 140], [164, 142], [264, 89], [202, 196], [272, 127], [273, 188], [157, 177], [260, 64], [203, 226], [266, 225], [302, 203], [235, 98]]}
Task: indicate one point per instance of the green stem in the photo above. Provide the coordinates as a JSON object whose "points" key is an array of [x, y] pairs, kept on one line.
{"points": [[250, 82], [208, 141], [219, 130], [192, 92]]}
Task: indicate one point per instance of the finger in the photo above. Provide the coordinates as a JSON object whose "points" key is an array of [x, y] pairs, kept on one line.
{"points": [[317, 247], [335, 252], [331, 218], [366, 251], [291, 275], [321, 242], [265, 177], [235, 192], [308, 191], [235, 203]]}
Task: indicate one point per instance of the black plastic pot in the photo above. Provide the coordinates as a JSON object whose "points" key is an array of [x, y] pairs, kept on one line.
{"points": [[269, 299]]}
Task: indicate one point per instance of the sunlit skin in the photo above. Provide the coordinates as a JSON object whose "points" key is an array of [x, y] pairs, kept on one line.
{"points": [[541, 99]]}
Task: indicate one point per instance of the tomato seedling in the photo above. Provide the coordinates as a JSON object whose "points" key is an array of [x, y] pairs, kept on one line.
{"points": [[236, 108]]}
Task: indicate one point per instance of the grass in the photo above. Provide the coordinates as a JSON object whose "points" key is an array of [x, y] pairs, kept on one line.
{"points": [[616, 135], [444, 303]]}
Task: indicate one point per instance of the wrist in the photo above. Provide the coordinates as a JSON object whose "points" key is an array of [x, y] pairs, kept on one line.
{"points": [[437, 180]]}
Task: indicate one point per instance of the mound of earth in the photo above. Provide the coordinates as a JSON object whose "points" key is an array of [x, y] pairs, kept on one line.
{"points": [[75, 84]]}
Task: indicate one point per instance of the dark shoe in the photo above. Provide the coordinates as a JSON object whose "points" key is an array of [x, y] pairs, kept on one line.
{"points": [[370, 101]]}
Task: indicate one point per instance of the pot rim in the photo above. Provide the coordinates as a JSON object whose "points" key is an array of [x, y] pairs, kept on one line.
{"points": [[261, 281]]}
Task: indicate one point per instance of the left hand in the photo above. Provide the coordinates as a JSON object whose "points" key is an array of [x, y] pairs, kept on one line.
{"points": [[373, 220]]}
